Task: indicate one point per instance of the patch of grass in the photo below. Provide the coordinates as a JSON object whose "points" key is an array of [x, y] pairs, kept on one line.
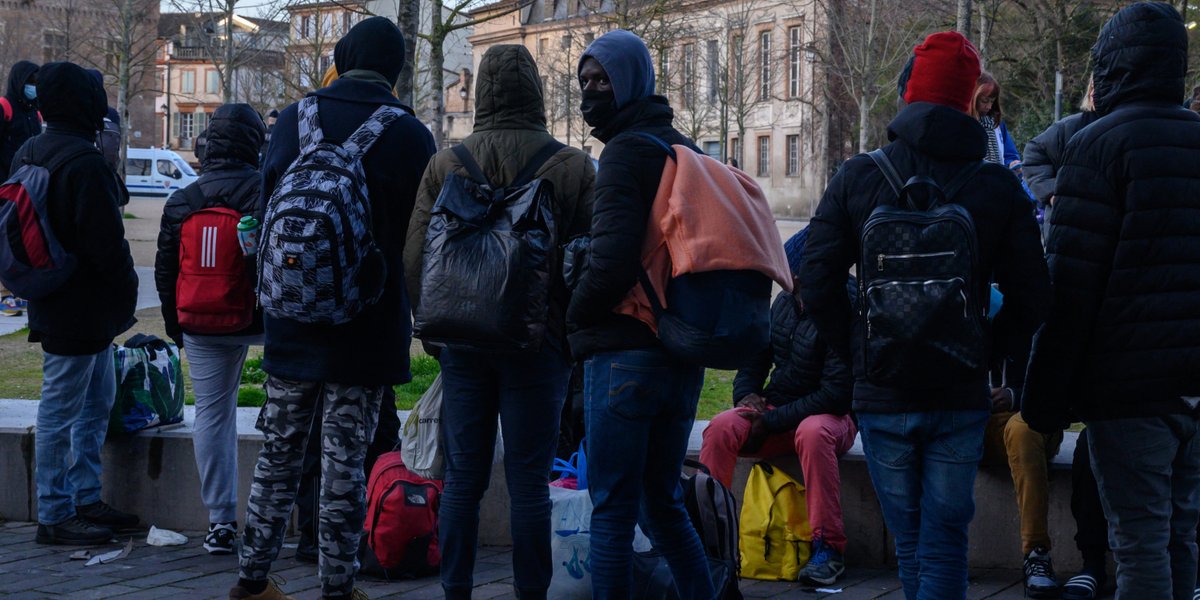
{"points": [[129, 216], [424, 369], [717, 393]]}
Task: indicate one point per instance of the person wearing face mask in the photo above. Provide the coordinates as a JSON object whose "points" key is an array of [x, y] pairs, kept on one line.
{"points": [[76, 332], [20, 112], [640, 402]]}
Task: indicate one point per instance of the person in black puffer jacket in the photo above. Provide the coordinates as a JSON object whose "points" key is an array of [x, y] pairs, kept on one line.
{"points": [[1121, 347], [1044, 154], [25, 121], [804, 409], [76, 323], [230, 180], [640, 401]]}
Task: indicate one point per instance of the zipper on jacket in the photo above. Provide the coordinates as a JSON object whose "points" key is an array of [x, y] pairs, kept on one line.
{"points": [[883, 257]]}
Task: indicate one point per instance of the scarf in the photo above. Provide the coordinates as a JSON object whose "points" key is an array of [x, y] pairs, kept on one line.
{"points": [[993, 150]]}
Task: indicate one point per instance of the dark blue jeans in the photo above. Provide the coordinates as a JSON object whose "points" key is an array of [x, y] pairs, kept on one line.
{"points": [[640, 405], [526, 391], [923, 466]]}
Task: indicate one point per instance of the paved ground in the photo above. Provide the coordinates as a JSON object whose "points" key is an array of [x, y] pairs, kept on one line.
{"points": [[29, 570]]}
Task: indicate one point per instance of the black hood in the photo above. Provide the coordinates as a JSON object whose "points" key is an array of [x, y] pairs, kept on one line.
{"points": [[70, 98], [376, 45], [940, 132], [508, 91], [235, 134], [18, 76], [1140, 56]]}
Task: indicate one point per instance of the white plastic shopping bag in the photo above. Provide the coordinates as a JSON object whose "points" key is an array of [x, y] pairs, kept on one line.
{"points": [[421, 448], [570, 544]]}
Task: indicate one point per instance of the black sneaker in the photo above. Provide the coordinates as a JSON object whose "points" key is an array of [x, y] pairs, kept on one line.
{"points": [[107, 516], [1039, 575], [307, 551], [73, 532], [221, 538]]}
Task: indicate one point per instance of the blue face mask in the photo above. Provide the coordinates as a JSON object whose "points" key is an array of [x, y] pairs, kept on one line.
{"points": [[30, 91]]}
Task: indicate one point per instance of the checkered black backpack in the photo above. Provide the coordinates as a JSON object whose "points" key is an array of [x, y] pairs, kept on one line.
{"points": [[318, 261], [919, 284]]}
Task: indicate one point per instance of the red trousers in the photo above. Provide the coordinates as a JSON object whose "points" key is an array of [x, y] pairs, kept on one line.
{"points": [[818, 441]]}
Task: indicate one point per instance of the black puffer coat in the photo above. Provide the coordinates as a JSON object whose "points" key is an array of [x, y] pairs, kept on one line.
{"points": [[97, 303], [1123, 336], [230, 178], [938, 141], [808, 379], [25, 122], [1044, 154]]}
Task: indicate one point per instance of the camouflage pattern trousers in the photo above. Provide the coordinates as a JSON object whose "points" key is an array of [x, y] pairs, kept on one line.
{"points": [[350, 414]]}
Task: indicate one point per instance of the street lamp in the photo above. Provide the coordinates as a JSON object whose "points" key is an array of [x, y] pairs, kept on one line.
{"points": [[462, 92], [810, 52]]}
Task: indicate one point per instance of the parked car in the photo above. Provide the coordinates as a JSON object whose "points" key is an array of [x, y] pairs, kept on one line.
{"points": [[156, 172]]}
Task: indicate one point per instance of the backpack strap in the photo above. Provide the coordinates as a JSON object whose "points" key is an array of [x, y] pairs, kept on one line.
{"points": [[308, 124], [526, 175], [881, 160], [651, 295], [369, 132], [468, 162], [657, 141]]}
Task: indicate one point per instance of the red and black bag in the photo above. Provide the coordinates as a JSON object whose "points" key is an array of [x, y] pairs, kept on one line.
{"points": [[214, 293], [402, 518]]}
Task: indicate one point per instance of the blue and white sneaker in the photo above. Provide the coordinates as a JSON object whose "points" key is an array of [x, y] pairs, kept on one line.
{"points": [[1039, 575], [826, 565]]}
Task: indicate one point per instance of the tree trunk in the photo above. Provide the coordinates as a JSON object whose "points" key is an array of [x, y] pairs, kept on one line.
{"points": [[408, 14], [864, 117], [123, 77], [983, 36], [437, 80], [228, 70], [963, 22]]}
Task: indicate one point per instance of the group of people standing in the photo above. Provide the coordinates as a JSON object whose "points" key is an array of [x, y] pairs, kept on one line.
{"points": [[1115, 341]]}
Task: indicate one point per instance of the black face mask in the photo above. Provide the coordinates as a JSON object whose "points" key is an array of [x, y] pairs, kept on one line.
{"points": [[598, 108]]}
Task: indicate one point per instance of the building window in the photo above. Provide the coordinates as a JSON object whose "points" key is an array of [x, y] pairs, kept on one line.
{"points": [[689, 75], [347, 22], [714, 72], [565, 42], [793, 155], [795, 50], [735, 151], [764, 66], [184, 126], [212, 81], [187, 83], [201, 123], [325, 62], [764, 156], [542, 42], [713, 149], [738, 57], [589, 37], [305, 27], [112, 56], [664, 71], [54, 46]]}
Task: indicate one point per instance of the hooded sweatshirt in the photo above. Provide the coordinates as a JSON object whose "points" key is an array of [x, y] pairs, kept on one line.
{"points": [[231, 179], [97, 303], [626, 184], [25, 122], [510, 128], [373, 348], [1123, 335]]}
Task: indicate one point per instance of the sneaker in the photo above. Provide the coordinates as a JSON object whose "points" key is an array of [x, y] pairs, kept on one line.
{"points": [[1084, 586], [107, 516], [825, 566], [307, 552], [221, 538], [74, 532], [272, 592], [1039, 575]]}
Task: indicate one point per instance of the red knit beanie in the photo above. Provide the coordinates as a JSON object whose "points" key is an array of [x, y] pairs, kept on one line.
{"points": [[944, 71]]}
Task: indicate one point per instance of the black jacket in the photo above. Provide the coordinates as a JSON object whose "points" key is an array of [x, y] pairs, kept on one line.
{"points": [[937, 141], [1123, 335], [25, 122], [230, 178], [97, 303], [626, 183], [373, 348], [808, 379], [1044, 154]]}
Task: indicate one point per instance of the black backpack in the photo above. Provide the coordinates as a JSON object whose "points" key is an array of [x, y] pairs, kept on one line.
{"points": [[488, 258], [919, 285]]}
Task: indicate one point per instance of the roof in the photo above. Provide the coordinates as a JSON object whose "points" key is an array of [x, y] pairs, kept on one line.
{"points": [[170, 22]]}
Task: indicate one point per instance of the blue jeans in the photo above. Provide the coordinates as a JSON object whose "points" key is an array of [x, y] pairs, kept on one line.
{"points": [[1148, 472], [923, 467], [527, 392], [640, 406], [77, 394]]}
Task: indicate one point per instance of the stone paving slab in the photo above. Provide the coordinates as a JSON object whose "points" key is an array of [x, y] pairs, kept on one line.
{"points": [[29, 570]]}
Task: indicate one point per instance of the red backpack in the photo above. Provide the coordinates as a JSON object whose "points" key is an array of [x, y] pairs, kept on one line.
{"points": [[402, 518], [215, 291]]}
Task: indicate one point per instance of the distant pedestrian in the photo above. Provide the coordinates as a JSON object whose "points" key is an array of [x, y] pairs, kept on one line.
{"points": [[220, 320], [76, 332], [1044, 154], [1121, 346], [985, 106], [343, 368], [20, 112]]}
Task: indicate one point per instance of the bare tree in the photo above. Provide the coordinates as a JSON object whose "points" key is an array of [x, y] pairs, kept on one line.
{"points": [[962, 23], [217, 23], [126, 55]]}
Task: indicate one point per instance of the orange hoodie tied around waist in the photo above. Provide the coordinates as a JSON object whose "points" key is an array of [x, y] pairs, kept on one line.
{"points": [[706, 217]]}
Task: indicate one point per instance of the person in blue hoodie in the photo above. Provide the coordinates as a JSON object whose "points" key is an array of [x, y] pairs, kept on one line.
{"points": [[639, 401]]}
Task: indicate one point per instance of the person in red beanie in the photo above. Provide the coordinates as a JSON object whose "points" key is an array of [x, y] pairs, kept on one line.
{"points": [[923, 435]]}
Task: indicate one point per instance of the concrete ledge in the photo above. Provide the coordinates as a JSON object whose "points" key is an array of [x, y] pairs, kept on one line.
{"points": [[153, 474]]}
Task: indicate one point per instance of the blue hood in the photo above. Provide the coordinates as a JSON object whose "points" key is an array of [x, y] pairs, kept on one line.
{"points": [[627, 61], [794, 249]]}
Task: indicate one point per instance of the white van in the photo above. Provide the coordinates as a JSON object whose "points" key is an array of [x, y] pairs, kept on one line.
{"points": [[156, 172]]}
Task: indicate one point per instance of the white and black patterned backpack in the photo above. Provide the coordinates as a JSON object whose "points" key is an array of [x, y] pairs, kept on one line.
{"points": [[318, 262]]}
